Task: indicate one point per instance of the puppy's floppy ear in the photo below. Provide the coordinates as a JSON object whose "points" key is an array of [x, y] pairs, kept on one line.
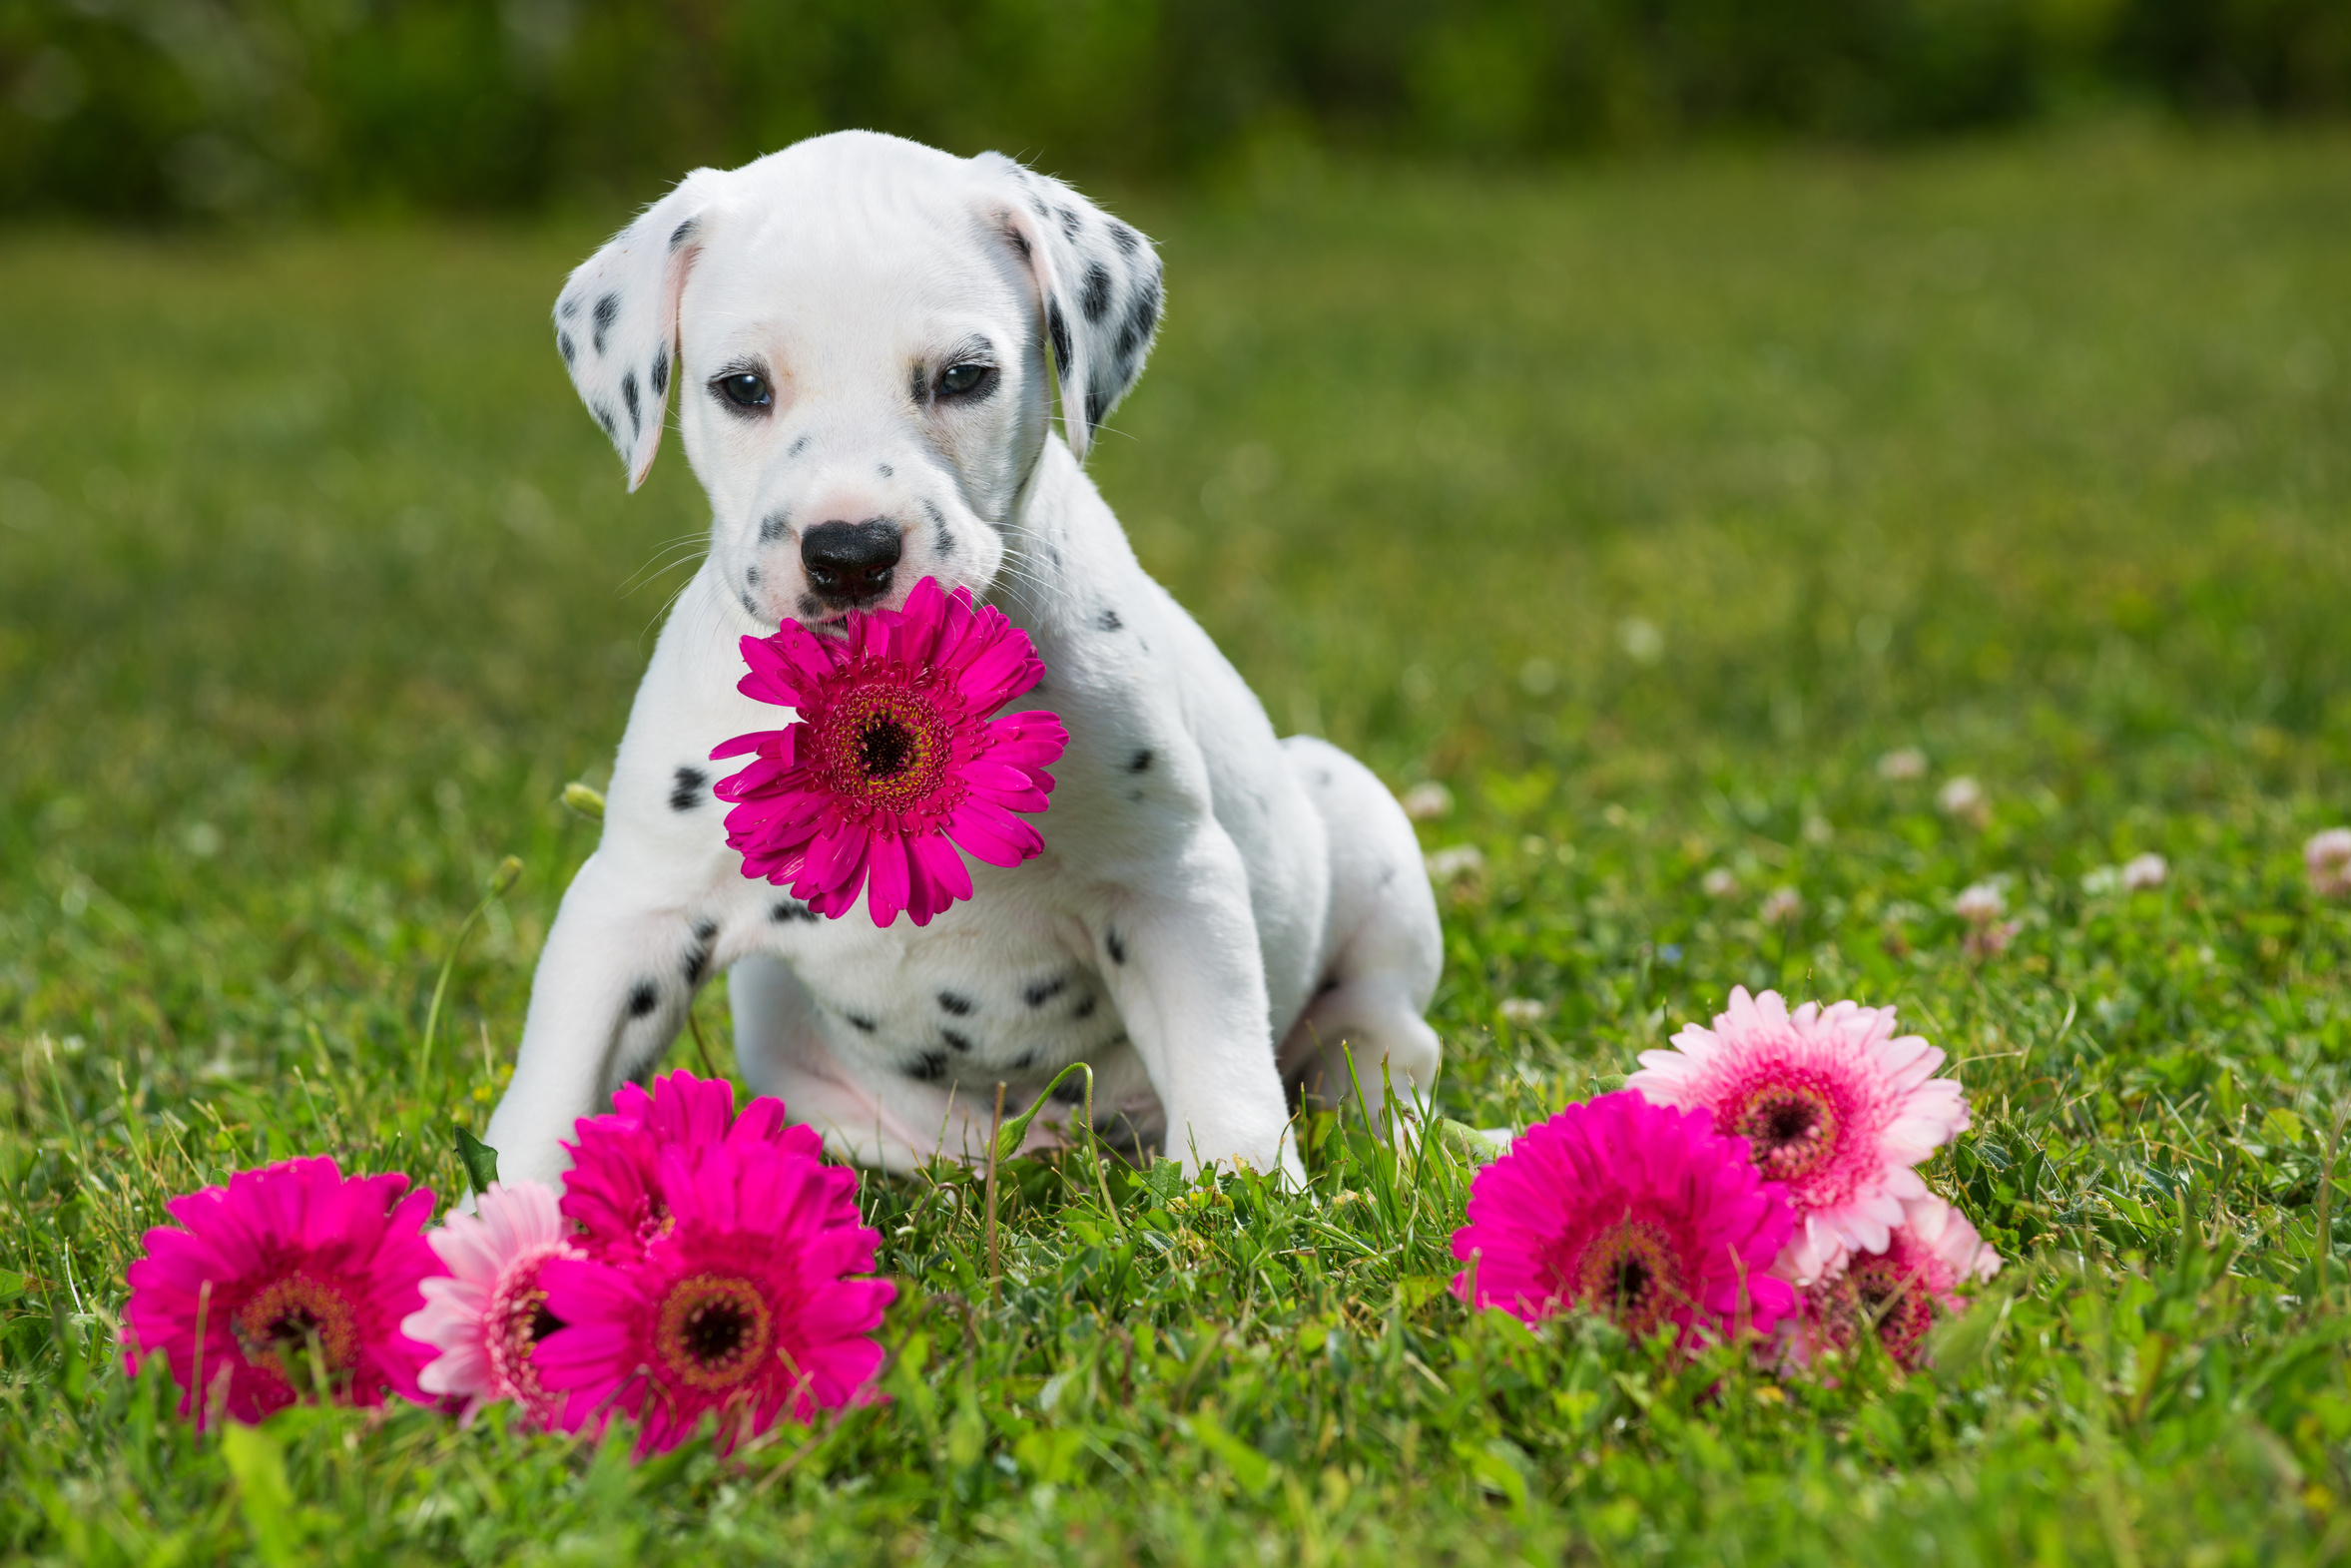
{"points": [[616, 322], [1097, 279]]}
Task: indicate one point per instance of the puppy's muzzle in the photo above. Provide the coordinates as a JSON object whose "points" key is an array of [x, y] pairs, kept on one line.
{"points": [[849, 564]]}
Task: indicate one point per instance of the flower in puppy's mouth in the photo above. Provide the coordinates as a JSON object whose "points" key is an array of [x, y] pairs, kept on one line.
{"points": [[1642, 1213], [488, 1314], [613, 1194], [288, 1276], [744, 1306], [1831, 1103], [894, 760]]}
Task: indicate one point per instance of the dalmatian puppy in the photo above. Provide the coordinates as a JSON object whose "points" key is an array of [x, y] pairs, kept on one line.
{"points": [[860, 330]]}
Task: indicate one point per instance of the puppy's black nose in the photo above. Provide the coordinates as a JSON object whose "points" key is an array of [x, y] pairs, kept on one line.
{"points": [[850, 563]]}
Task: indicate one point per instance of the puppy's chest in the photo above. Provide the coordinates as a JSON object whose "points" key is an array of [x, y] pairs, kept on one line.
{"points": [[985, 995]]}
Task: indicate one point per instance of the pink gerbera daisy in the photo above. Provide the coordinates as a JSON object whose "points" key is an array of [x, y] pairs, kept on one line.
{"points": [[614, 1192], [1642, 1213], [1831, 1103], [284, 1259], [1898, 1293], [894, 754], [743, 1309], [488, 1314]]}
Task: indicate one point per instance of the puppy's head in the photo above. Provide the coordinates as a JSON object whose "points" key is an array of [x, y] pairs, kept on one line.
{"points": [[861, 332]]}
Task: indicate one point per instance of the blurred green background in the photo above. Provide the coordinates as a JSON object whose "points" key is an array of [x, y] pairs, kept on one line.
{"points": [[148, 108]]}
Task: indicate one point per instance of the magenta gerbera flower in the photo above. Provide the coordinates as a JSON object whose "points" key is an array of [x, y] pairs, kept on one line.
{"points": [[1831, 1103], [613, 1193], [1642, 1213], [743, 1309], [1898, 1293], [284, 1258], [892, 755], [488, 1314]]}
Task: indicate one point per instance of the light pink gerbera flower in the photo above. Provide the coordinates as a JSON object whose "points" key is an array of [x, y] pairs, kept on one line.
{"points": [[1642, 1213], [289, 1256], [2327, 858], [1831, 1103], [1896, 1293], [614, 1192], [892, 755], [488, 1314], [743, 1309]]}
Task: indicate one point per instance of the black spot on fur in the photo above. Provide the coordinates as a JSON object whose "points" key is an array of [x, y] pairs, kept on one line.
{"points": [[751, 575], [697, 960], [1020, 241], [1108, 621], [1140, 762], [1094, 297], [568, 309], [917, 384], [956, 1042], [1124, 238], [628, 396], [565, 346], [1022, 1063], [750, 606], [1069, 221], [642, 998], [928, 1068], [772, 527], [946, 542], [661, 373], [961, 1006], [1085, 1009], [1040, 992], [1329, 984], [1114, 945], [788, 909], [604, 419], [860, 1022], [797, 447], [607, 312], [886, 472], [705, 930], [686, 792], [1095, 407], [1057, 328], [1036, 205], [683, 233], [1071, 1091]]}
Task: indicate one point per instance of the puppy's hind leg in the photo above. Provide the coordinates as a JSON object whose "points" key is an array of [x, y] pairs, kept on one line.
{"points": [[1382, 946]]}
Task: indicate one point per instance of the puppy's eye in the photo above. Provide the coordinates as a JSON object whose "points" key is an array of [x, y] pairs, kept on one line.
{"points": [[744, 389], [963, 380]]}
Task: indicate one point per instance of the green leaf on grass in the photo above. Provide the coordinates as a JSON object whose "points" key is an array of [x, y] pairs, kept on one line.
{"points": [[479, 1159]]}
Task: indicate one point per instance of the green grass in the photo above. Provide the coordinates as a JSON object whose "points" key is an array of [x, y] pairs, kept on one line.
{"points": [[1645, 506]]}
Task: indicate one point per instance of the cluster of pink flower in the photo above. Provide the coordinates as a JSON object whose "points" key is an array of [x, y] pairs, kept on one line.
{"points": [[698, 1262], [1759, 1181]]}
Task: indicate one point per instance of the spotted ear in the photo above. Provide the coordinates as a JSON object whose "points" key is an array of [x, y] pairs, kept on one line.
{"points": [[616, 322], [1098, 280]]}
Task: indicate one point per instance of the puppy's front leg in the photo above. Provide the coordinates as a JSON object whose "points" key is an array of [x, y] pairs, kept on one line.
{"points": [[611, 991], [1184, 967]]}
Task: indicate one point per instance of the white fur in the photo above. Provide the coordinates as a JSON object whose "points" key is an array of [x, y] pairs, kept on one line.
{"points": [[1267, 897]]}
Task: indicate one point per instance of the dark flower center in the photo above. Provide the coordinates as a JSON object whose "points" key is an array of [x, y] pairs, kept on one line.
{"points": [[886, 747], [282, 1321], [714, 1330], [1898, 1304], [1790, 1129], [1629, 1273]]}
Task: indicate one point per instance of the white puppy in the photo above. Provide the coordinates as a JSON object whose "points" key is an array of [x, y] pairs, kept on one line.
{"points": [[860, 329]]}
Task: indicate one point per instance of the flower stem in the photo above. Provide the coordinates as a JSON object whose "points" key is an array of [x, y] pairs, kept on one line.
{"points": [[995, 1280], [500, 879]]}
